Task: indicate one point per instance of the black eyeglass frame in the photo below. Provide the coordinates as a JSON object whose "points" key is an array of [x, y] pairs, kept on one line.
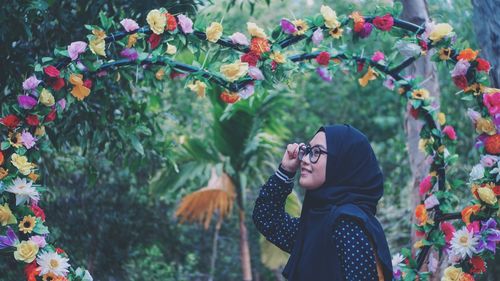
{"points": [[307, 149]]}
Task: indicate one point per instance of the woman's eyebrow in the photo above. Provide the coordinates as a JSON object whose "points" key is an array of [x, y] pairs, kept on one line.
{"points": [[320, 145]]}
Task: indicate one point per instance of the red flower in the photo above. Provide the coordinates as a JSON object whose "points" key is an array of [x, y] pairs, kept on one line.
{"points": [[419, 233], [483, 65], [52, 71], [229, 97], [384, 23], [448, 230], [496, 189], [423, 45], [38, 212], [174, 74], [51, 116], [56, 83], [1, 158], [449, 131], [361, 65], [60, 251], [274, 64], [31, 271], [259, 46], [323, 58], [492, 144], [414, 112], [154, 40], [171, 22], [32, 120], [10, 121], [359, 26], [250, 58], [460, 81], [87, 83]]}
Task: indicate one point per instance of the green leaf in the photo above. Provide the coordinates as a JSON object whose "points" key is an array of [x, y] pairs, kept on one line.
{"points": [[136, 144], [40, 228], [5, 145]]}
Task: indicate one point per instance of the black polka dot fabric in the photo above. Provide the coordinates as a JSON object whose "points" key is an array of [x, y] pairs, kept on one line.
{"points": [[356, 255]]}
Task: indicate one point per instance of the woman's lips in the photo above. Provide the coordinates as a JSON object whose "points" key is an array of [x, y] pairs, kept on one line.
{"points": [[304, 172]]}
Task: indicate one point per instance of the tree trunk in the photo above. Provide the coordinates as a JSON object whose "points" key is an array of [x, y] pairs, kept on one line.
{"points": [[487, 27], [245, 249], [214, 248], [416, 11]]}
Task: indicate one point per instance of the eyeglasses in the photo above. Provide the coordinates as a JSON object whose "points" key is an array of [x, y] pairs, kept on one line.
{"points": [[314, 152]]}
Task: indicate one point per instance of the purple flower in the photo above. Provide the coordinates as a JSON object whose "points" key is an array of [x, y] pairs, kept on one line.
{"points": [[239, 38], [247, 91], [9, 240], [185, 23], [129, 25], [27, 139], [129, 53], [287, 26], [31, 83], [81, 66], [480, 140], [460, 68], [324, 74], [389, 82], [317, 36], [62, 103], [366, 31], [255, 73], [26, 102], [76, 48], [39, 240]]}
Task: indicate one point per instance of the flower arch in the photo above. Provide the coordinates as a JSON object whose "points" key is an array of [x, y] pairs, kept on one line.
{"points": [[263, 62]]}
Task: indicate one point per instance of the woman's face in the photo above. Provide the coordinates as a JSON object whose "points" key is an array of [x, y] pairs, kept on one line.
{"points": [[313, 175]]}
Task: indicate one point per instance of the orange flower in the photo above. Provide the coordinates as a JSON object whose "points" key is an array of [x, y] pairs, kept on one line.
{"points": [[259, 46], [1, 158], [369, 75], [357, 17], [467, 54], [79, 91], [421, 214], [228, 97], [3, 173], [468, 211], [492, 144]]}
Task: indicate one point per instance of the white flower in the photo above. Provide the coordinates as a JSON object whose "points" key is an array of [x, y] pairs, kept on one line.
{"points": [[496, 171], [433, 263], [397, 259], [408, 49], [477, 172], [52, 262], [24, 190], [431, 202], [463, 243]]}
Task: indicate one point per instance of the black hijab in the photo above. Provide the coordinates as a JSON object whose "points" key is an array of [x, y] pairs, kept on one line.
{"points": [[353, 187]]}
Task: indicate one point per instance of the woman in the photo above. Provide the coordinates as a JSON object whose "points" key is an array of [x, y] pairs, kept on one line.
{"points": [[337, 236]]}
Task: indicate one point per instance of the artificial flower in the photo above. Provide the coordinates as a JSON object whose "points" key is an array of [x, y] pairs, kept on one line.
{"points": [[97, 44], [39, 213], [79, 91], [336, 32], [234, 71], [239, 38], [464, 243], [186, 24], [46, 98], [278, 57], [198, 87], [445, 53], [3, 173], [21, 163], [171, 49], [258, 46], [76, 48], [255, 73], [228, 97], [452, 273], [323, 58], [24, 191], [420, 94], [287, 26], [421, 214], [1, 158], [330, 16], [317, 36], [460, 68], [478, 265], [488, 160], [365, 29], [483, 65], [214, 32], [28, 140], [26, 251], [485, 125], [129, 53], [154, 40], [431, 201], [132, 39], [492, 102], [408, 49], [384, 23], [129, 25], [157, 21], [476, 173], [324, 74], [27, 224], [31, 271], [389, 82], [40, 131], [491, 235], [369, 75], [425, 185], [31, 83], [301, 26], [468, 211], [26, 101], [256, 31], [487, 195], [9, 240], [52, 262], [250, 58], [50, 117], [247, 91], [171, 22], [449, 131], [6, 216], [467, 54], [448, 230], [439, 31], [378, 56]]}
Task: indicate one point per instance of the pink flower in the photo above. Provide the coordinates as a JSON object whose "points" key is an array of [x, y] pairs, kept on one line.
{"points": [[460, 68], [255, 73], [488, 160], [239, 38], [185, 23], [449, 131], [26, 102], [287, 26], [425, 185], [62, 103], [129, 25], [247, 91], [31, 83], [76, 48], [366, 31], [324, 74], [378, 56], [431, 202], [317, 36], [39, 240], [448, 230], [492, 102], [389, 82], [27, 139]]}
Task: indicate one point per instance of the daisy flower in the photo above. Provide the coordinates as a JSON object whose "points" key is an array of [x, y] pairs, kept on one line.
{"points": [[464, 243], [24, 191], [52, 262]]}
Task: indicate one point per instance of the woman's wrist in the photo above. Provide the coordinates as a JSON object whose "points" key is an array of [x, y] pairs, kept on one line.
{"points": [[286, 172]]}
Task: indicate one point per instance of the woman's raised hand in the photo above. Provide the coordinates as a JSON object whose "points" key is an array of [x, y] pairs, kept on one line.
{"points": [[290, 161]]}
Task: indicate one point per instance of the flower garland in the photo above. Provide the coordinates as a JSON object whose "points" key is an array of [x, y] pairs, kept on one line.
{"points": [[263, 63]]}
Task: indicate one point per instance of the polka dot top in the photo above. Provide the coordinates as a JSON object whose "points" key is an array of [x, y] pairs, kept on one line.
{"points": [[356, 255]]}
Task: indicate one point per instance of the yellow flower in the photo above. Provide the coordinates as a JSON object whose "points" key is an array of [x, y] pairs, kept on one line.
{"points": [[159, 74], [27, 224], [214, 32], [441, 118], [369, 75], [422, 143], [97, 44], [452, 273], [330, 16], [40, 131], [156, 21], [46, 98], [420, 94], [198, 87], [6, 216], [132, 39], [418, 244], [171, 49], [26, 251], [22, 164], [484, 125], [487, 195], [15, 139], [79, 91], [336, 32], [278, 57], [439, 31], [234, 71], [445, 53], [256, 31], [301, 26]]}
